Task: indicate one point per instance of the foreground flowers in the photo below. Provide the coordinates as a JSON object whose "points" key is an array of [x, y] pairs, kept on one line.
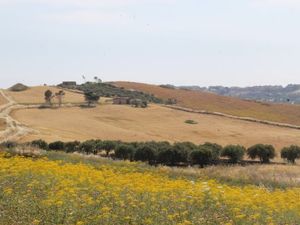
{"points": [[53, 192]]}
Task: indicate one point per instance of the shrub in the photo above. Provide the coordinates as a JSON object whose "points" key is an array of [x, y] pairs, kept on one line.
{"points": [[72, 146], [9, 144], [124, 151], [57, 145], [40, 144], [191, 122], [202, 156], [291, 153], [235, 153], [214, 148], [263, 152], [145, 154]]}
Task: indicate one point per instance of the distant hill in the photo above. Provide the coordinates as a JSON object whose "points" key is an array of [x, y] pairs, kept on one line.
{"points": [[287, 94], [203, 100]]}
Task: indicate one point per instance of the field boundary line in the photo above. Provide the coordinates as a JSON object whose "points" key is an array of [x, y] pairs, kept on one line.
{"points": [[248, 119]]}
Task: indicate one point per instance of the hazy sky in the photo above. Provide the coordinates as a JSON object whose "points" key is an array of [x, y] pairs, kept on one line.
{"points": [[211, 42]]}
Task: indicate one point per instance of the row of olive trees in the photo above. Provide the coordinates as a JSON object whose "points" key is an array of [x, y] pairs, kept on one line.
{"points": [[181, 153]]}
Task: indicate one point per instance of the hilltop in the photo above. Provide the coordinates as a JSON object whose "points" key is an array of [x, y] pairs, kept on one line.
{"points": [[199, 100]]}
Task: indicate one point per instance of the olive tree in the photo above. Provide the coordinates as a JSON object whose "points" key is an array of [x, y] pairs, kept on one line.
{"points": [[57, 146], [91, 97], [40, 144], [125, 152], [48, 95], [235, 153], [291, 153], [263, 152], [202, 156], [145, 153], [214, 148]]}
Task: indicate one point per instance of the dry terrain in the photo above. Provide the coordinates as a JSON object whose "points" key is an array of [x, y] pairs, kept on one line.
{"points": [[283, 113], [2, 100], [35, 95], [2, 124], [154, 123]]}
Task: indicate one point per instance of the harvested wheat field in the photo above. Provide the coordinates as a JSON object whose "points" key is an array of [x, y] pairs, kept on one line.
{"points": [[2, 124], [35, 95], [283, 113], [154, 123]]}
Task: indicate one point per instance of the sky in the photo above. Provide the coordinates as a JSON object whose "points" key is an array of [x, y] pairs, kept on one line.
{"points": [[181, 42]]}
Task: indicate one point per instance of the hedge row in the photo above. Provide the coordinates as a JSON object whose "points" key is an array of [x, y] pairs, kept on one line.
{"points": [[180, 153]]}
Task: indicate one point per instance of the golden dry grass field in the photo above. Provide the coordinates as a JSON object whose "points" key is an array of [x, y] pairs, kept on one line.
{"points": [[284, 113], [2, 124], [35, 95], [154, 123]]}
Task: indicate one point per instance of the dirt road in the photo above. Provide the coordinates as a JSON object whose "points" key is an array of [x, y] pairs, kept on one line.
{"points": [[14, 130]]}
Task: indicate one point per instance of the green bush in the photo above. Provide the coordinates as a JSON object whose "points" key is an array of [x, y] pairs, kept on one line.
{"points": [[291, 153], [40, 144], [235, 153], [125, 152], [263, 152], [145, 154], [202, 156], [191, 122], [9, 144], [57, 146]]}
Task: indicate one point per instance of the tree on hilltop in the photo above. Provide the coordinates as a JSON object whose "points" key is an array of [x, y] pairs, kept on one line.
{"points": [[91, 97], [59, 95], [48, 97]]}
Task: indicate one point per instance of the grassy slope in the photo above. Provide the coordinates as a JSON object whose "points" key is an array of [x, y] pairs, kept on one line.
{"points": [[211, 102]]}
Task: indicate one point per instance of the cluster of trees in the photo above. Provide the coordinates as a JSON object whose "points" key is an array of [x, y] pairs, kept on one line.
{"points": [[49, 95], [181, 153], [109, 90]]}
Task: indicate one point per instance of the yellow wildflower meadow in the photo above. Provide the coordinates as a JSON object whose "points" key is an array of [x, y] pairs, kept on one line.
{"points": [[55, 192]]}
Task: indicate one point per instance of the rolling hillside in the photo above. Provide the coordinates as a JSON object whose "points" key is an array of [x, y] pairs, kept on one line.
{"points": [[114, 122], [282, 113]]}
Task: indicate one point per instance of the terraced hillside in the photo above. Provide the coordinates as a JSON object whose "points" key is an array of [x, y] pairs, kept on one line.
{"points": [[283, 113]]}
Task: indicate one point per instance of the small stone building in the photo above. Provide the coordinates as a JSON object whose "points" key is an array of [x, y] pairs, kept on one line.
{"points": [[69, 83], [121, 101]]}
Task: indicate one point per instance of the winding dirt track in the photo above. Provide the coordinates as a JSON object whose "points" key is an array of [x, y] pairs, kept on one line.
{"points": [[14, 129]]}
